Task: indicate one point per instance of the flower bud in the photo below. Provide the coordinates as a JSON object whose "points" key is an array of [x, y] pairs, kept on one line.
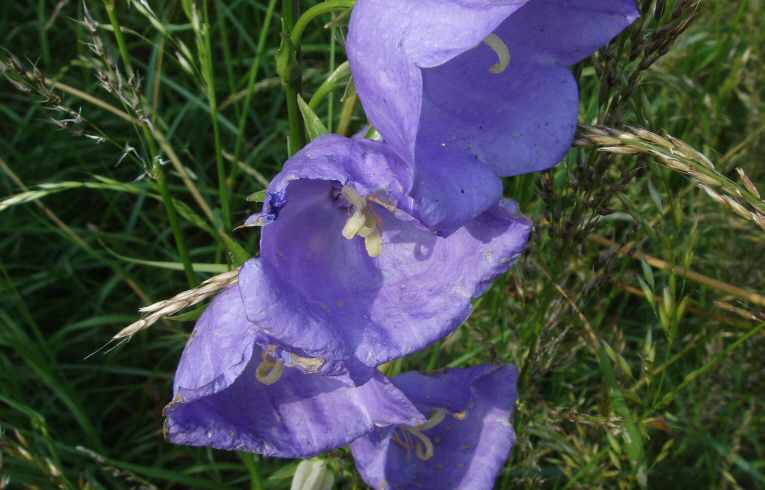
{"points": [[313, 474]]}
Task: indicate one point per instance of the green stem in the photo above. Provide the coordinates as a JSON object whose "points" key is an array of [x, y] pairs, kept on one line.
{"points": [[291, 78], [338, 78], [206, 48], [157, 170], [349, 105], [290, 61], [297, 134], [45, 47], [253, 76], [112, 13], [256, 482], [332, 63], [296, 33]]}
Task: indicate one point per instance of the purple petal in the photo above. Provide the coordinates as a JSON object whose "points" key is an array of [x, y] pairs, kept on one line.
{"points": [[522, 120], [219, 401], [314, 291], [219, 349], [371, 166], [452, 187], [469, 449], [567, 31], [422, 74], [389, 40]]}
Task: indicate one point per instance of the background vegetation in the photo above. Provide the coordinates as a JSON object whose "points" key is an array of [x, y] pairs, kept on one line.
{"points": [[634, 316]]}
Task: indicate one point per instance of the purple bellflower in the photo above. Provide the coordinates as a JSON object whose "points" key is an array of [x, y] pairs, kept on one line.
{"points": [[347, 277], [469, 90], [233, 392], [463, 445]]}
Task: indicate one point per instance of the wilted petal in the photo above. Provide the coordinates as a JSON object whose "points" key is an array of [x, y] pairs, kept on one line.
{"points": [[220, 402], [469, 448]]}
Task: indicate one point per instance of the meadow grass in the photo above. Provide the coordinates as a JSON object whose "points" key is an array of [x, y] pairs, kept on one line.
{"points": [[132, 142]]}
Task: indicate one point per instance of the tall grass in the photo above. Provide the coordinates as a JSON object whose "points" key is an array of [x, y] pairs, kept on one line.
{"points": [[133, 134]]}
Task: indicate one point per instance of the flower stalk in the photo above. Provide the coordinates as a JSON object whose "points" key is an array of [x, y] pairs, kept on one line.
{"points": [[288, 68]]}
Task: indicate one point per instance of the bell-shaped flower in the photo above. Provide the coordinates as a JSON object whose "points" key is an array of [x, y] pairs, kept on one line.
{"points": [[347, 277], [463, 445], [233, 392], [470, 90]]}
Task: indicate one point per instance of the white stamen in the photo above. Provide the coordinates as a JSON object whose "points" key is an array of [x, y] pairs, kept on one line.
{"points": [[354, 224], [362, 222], [503, 53], [373, 243], [353, 197]]}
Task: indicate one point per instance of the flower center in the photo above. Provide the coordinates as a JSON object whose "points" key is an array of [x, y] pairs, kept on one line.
{"points": [[503, 53], [362, 222], [414, 437]]}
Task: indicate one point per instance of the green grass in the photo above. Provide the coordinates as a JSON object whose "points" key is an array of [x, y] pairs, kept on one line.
{"points": [[633, 374]]}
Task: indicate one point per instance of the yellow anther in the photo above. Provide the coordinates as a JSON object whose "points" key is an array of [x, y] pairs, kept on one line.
{"points": [[503, 53], [460, 415], [269, 370]]}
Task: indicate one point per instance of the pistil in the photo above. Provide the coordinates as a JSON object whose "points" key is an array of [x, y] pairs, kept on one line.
{"points": [[270, 369], [503, 53]]}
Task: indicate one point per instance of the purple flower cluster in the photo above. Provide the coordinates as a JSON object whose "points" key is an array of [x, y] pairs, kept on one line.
{"points": [[373, 250]]}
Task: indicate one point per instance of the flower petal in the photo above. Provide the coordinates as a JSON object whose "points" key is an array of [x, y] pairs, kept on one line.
{"points": [[371, 166], [567, 31], [457, 107], [316, 292], [469, 450], [452, 187], [521, 120], [218, 350], [388, 40], [219, 401]]}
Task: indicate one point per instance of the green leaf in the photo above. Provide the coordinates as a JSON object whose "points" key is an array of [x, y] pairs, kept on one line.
{"points": [[259, 196], [188, 316], [239, 255], [313, 125]]}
